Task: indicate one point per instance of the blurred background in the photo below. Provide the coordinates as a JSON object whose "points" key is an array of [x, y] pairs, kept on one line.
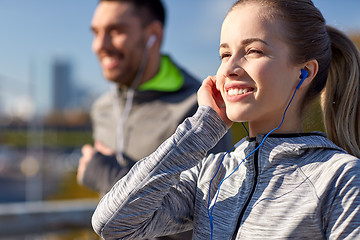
{"points": [[48, 80]]}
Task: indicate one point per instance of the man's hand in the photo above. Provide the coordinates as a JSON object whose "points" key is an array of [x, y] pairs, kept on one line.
{"points": [[87, 153], [104, 150]]}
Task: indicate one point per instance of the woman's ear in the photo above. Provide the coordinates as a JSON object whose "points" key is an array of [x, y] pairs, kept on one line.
{"points": [[312, 68]]}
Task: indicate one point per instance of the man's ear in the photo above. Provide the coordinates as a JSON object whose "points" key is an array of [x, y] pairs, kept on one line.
{"points": [[155, 29]]}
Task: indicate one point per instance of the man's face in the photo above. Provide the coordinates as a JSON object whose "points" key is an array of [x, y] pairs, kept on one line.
{"points": [[119, 40]]}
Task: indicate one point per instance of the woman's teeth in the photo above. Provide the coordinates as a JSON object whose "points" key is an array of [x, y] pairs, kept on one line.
{"points": [[237, 91]]}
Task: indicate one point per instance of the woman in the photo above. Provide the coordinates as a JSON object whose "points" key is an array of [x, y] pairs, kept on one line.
{"points": [[280, 183]]}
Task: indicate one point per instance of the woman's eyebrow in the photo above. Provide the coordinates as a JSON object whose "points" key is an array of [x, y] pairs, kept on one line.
{"points": [[251, 40], [223, 45], [245, 42]]}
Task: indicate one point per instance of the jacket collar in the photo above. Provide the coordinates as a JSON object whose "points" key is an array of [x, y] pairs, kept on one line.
{"points": [[285, 150]]}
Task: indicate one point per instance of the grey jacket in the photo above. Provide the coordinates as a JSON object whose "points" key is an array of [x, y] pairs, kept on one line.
{"points": [[293, 187]]}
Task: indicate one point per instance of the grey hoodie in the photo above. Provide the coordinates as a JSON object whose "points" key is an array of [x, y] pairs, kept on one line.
{"points": [[293, 187]]}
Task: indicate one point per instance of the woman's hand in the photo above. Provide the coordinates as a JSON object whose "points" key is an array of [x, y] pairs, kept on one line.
{"points": [[209, 95]]}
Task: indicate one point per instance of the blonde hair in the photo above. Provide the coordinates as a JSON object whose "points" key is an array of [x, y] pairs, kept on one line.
{"points": [[340, 100], [310, 38]]}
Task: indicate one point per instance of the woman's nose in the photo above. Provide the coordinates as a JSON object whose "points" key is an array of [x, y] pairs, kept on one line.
{"points": [[232, 68]]}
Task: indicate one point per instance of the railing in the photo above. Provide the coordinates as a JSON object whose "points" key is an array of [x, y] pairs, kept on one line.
{"points": [[50, 216]]}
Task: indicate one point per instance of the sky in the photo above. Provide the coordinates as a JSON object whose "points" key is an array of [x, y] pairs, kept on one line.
{"points": [[38, 31]]}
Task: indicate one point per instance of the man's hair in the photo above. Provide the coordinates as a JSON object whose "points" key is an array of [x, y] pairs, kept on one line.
{"points": [[148, 10]]}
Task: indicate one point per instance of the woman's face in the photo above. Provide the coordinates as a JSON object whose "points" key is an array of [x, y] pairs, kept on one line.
{"points": [[256, 77]]}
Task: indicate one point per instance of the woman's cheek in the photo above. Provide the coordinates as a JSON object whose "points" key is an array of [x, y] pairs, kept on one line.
{"points": [[220, 80], [231, 114]]}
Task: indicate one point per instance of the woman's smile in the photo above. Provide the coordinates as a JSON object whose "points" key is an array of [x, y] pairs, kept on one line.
{"points": [[236, 92]]}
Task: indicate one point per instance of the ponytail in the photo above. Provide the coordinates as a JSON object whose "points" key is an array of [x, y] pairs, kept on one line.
{"points": [[341, 97]]}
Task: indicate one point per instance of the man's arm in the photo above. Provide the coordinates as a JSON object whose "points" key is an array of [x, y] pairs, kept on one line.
{"points": [[99, 169]]}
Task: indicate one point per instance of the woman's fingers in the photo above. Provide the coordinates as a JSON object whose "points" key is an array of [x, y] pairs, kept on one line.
{"points": [[209, 95]]}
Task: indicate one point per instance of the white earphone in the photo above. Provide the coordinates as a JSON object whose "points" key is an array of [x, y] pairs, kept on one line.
{"points": [[151, 41], [129, 100]]}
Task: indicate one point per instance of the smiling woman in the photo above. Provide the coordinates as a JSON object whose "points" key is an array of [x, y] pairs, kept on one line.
{"points": [[178, 192], [276, 57], [255, 58]]}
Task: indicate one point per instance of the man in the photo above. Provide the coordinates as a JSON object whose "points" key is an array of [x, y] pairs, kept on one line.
{"points": [[153, 95]]}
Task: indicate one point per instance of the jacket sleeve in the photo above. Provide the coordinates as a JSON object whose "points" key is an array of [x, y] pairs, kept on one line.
{"points": [[342, 220], [156, 197], [108, 168]]}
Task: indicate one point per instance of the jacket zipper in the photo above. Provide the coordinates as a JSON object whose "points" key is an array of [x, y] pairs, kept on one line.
{"points": [[256, 168]]}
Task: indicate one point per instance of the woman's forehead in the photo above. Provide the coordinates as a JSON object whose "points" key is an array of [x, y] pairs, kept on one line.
{"points": [[248, 20]]}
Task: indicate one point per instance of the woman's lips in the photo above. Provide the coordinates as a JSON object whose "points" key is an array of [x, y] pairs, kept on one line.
{"points": [[238, 91], [235, 92]]}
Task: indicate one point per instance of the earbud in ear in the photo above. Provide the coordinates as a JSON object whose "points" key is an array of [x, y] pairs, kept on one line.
{"points": [[303, 76], [151, 41]]}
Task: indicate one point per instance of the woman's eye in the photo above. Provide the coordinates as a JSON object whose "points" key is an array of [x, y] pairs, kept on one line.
{"points": [[254, 51], [224, 55]]}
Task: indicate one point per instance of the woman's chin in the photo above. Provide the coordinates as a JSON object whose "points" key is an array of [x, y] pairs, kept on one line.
{"points": [[235, 115]]}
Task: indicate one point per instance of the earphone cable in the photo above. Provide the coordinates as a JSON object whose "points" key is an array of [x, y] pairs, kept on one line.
{"points": [[210, 209], [127, 108]]}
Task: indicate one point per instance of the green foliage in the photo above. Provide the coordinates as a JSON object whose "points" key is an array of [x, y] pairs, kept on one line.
{"points": [[47, 138], [312, 121], [70, 189]]}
